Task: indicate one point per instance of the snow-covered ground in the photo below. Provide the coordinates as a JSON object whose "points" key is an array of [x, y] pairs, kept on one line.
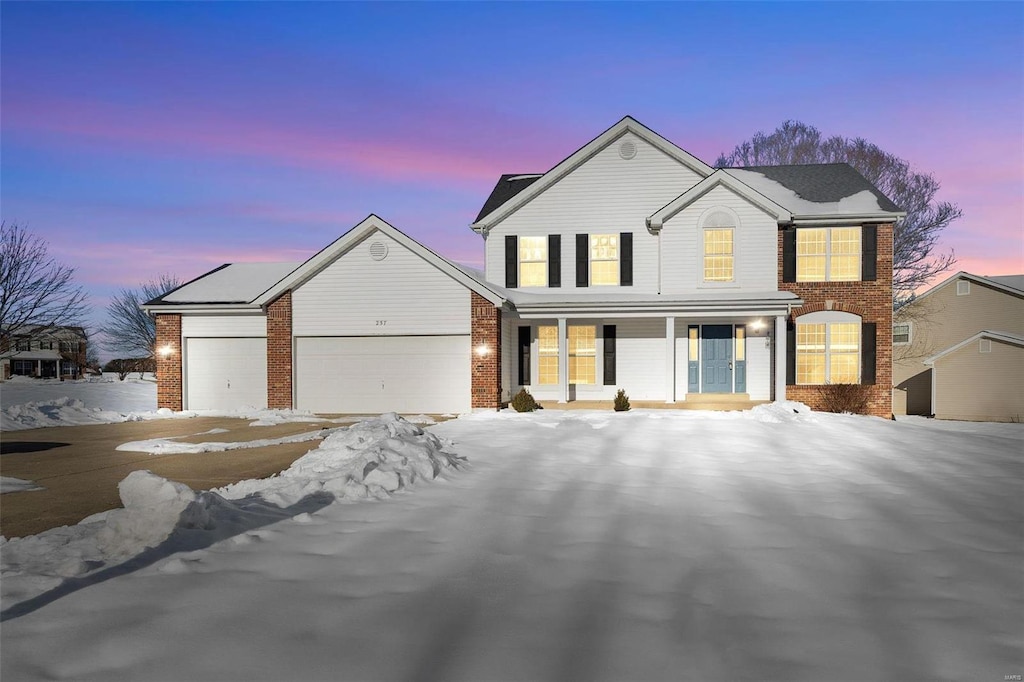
{"points": [[770, 544]]}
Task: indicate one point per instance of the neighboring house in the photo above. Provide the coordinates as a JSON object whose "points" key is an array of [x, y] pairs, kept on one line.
{"points": [[631, 264], [44, 353], [956, 350]]}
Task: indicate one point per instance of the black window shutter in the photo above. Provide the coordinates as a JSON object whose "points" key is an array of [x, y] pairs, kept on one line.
{"points": [[790, 353], [869, 253], [554, 260], [867, 353], [609, 355], [524, 356], [511, 261], [626, 259], [582, 260], [789, 255]]}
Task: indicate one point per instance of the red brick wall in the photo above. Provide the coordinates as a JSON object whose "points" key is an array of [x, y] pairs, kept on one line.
{"points": [[279, 352], [168, 365], [872, 301], [486, 369]]}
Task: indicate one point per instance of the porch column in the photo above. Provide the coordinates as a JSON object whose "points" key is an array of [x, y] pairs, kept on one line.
{"points": [[780, 357], [670, 359], [563, 361]]}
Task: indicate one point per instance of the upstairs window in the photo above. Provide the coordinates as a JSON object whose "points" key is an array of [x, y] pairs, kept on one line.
{"points": [[533, 261], [604, 259], [22, 343], [901, 332], [718, 256], [583, 354], [828, 254]]}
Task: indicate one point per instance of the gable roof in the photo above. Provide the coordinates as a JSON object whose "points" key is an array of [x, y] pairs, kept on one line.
{"points": [[1005, 337], [345, 242], [1009, 284], [820, 191], [508, 186], [230, 283], [628, 124], [719, 177]]}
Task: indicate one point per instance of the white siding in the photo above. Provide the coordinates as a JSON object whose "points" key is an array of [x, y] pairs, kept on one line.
{"points": [[238, 326], [755, 247], [402, 294], [759, 364], [640, 358], [605, 195]]}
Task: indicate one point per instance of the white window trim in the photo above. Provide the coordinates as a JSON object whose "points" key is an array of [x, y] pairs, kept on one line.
{"points": [[828, 254], [910, 334], [701, 228], [828, 318]]}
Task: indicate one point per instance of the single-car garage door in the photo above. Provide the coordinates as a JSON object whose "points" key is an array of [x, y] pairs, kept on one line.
{"points": [[372, 374], [225, 374]]}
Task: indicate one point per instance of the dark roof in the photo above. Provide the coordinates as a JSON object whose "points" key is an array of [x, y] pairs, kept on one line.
{"points": [[508, 186], [823, 182]]}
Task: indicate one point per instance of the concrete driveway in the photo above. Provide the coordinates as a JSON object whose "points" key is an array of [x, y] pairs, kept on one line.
{"points": [[79, 466]]}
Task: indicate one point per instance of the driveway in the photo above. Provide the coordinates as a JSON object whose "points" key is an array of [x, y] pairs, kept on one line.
{"points": [[80, 467]]}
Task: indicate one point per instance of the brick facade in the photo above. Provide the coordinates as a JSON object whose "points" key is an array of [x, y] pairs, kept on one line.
{"points": [[279, 352], [872, 301], [168, 361], [486, 367]]}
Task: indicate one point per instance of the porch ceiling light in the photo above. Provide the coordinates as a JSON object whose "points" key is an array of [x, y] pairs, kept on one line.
{"points": [[757, 324]]}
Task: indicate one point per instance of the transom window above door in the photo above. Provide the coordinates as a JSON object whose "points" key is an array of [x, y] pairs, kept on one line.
{"points": [[604, 259], [533, 261]]}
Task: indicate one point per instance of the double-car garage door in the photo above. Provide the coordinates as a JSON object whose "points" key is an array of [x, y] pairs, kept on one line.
{"points": [[372, 374]]}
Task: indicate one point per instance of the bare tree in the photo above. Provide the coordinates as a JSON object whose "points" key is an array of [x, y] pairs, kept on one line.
{"points": [[37, 292], [916, 255], [130, 331]]}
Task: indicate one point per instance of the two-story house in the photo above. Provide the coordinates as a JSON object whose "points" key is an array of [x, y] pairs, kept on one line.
{"points": [[44, 353], [631, 264]]}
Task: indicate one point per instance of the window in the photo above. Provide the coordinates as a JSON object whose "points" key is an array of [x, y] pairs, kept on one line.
{"points": [[828, 254], [547, 355], [22, 343], [963, 287], [533, 261], [694, 344], [582, 355], [25, 368], [901, 332], [604, 259], [828, 352], [67, 367], [718, 257], [741, 344]]}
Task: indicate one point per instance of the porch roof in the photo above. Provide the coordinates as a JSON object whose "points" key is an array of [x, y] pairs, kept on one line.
{"points": [[36, 355], [607, 303]]}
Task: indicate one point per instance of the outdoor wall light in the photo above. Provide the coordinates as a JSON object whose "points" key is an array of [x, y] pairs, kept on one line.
{"points": [[757, 325], [482, 350], [166, 350]]}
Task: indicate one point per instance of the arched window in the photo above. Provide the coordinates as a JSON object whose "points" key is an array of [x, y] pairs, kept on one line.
{"points": [[828, 345], [718, 231]]}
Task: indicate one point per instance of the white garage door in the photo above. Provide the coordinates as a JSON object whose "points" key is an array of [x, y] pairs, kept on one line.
{"points": [[225, 374], [373, 374]]}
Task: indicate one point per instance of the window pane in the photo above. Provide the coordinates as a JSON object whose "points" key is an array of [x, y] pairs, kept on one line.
{"points": [[582, 354], [604, 259], [718, 256], [810, 254], [533, 261], [901, 333], [547, 362], [693, 344], [810, 353], [741, 344]]}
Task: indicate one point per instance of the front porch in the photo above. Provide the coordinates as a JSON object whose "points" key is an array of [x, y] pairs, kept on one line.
{"points": [[715, 402]]}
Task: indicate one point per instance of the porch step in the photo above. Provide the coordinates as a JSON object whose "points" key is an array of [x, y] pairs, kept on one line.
{"points": [[722, 402]]}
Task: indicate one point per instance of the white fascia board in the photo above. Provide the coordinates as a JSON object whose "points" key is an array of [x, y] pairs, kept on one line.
{"points": [[581, 155], [205, 308], [344, 243], [719, 177], [1005, 337], [840, 219]]}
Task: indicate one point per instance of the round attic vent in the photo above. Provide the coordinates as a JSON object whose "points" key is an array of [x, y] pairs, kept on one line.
{"points": [[627, 149], [378, 250]]}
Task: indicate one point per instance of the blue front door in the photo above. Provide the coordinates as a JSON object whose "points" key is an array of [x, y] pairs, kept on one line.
{"points": [[716, 358]]}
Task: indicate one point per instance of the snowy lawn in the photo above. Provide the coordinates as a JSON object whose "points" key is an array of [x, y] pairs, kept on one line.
{"points": [[570, 545]]}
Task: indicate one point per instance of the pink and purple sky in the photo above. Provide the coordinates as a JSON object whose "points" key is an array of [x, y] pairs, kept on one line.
{"points": [[152, 138]]}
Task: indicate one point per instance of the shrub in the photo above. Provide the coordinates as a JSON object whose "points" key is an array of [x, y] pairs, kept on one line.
{"points": [[524, 402], [621, 401], [851, 398]]}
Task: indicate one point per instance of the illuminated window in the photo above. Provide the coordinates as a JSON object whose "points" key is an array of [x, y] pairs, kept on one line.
{"points": [[604, 259], [828, 352], [547, 354], [718, 258], [741, 344], [582, 355], [828, 254], [533, 261], [694, 344]]}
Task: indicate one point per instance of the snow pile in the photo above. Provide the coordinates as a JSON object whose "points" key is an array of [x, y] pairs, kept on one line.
{"points": [[370, 459], [9, 484], [66, 411], [172, 446], [781, 412]]}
